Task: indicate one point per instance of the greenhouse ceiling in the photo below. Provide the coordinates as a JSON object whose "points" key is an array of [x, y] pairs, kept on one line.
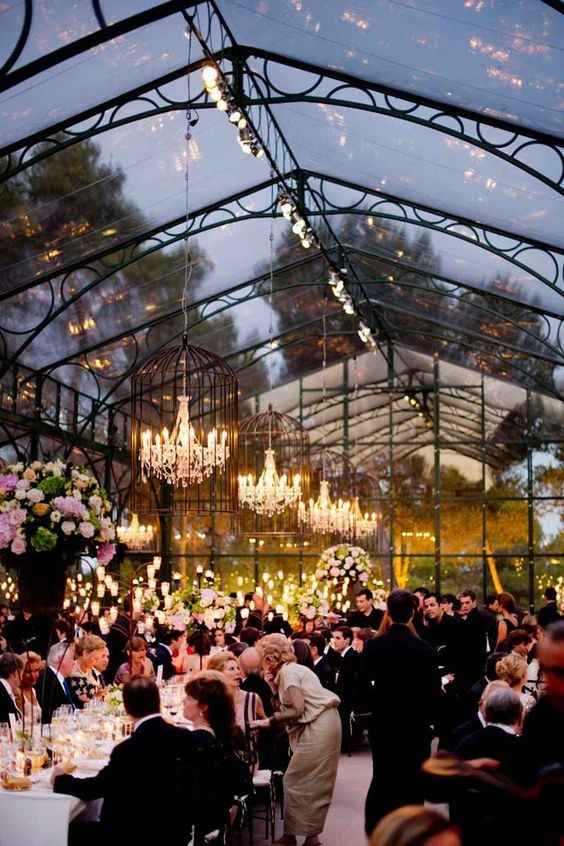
{"points": [[424, 139]]}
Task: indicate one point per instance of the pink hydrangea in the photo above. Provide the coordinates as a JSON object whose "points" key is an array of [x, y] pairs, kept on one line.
{"points": [[8, 482], [69, 506], [106, 552], [7, 531], [16, 516]]}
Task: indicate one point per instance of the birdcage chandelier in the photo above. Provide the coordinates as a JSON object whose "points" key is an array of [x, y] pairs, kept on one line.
{"points": [[329, 513]]}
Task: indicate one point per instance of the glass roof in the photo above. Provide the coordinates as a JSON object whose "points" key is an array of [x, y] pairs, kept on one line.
{"points": [[423, 138]]}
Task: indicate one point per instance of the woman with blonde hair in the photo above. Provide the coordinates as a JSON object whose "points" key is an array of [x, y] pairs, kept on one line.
{"points": [[312, 721], [248, 706], [414, 825], [26, 697], [513, 670], [82, 683]]}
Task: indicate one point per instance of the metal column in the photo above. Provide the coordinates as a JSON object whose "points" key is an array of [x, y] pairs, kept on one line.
{"points": [[530, 510], [391, 492], [437, 473], [484, 505]]}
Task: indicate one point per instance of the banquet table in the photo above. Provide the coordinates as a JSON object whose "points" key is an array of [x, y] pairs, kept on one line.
{"points": [[39, 817]]}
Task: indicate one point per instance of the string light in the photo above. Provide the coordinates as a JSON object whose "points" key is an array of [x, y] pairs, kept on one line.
{"points": [[219, 92]]}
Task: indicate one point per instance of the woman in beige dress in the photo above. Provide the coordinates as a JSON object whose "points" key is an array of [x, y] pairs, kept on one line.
{"points": [[312, 721]]}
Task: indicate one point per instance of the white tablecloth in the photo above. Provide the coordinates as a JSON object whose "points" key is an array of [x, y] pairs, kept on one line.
{"points": [[39, 817]]}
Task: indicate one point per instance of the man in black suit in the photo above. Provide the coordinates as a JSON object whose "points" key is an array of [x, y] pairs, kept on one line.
{"points": [[168, 646], [406, 689], [52, 688], [476, 722], [151, 767], [549, 612], [476, 648], [321, 666], [346, 679], [499, 739], [11, 669], [365, 616]]}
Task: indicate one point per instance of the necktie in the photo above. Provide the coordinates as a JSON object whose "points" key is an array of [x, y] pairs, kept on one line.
{"points": [[67, 690]]}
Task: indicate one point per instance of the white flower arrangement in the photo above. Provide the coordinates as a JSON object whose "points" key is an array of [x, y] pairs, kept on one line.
{"points": [[309, 605], [206, 605], [344, 564]]}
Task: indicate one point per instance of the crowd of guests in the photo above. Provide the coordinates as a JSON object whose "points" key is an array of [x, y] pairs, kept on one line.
{"points": [[482, 687]]}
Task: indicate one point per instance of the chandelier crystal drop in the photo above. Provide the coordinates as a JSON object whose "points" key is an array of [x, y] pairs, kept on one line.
{"points": [[272, 493], [179, 458], [135, 536]]}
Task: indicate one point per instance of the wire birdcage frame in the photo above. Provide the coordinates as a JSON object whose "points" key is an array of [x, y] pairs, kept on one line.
{"points": [[329, 518], [290, 442], [212, 388]]}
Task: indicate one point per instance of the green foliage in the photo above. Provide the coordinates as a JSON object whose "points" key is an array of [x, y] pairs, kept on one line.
{"points": [[43, 540]]}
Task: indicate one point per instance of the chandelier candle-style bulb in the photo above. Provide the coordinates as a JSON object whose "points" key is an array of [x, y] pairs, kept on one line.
{"points": [[323, 515], [363, 524], [179, 458], [272, 493]]}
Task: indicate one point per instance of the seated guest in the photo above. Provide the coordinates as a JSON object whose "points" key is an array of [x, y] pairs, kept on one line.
{"points": [[218, 643], [498, 739], [52, 687], [27, 697], [414, 825], [248, 706], [121, 631], [64, 630], [365, 616], [137, 663], [321, 665], [512, 669], [100, 667], [253, 682], [81, 681], [249, 635], [169, 645], [11, 668], [200, 647], [155, 747], [237, 648]]}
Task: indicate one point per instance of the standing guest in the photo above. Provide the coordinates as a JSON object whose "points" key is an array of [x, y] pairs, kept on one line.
{"points": [[476, 636], [450, 604], [27, 697], [321, 666], [549, 612], [512, 669], [346, 680], [11, 669], [402, 669], [415, 825], [249, 635], [253, 682], [22, 632], [169, 646], [100, 667], [121, 631], [445, 634], [360, 638], [543, 730], [518, 641], [52, 686], [155, 747], [490, 613], [64, 630], [509, 620], [365, 616], [137, 664], [81, 680], [309, 713], [303, 653]]}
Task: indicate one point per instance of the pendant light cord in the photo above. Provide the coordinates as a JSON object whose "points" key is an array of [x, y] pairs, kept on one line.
{"points": [[188, 268], [270, 293]]}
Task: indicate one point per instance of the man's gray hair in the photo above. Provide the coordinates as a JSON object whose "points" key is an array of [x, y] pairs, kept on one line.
{"points": [[10, 663], [503, 706], [57, 654], [555, 632]]}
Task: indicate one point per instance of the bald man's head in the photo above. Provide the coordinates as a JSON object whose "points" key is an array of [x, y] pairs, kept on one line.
{"points": [[249, 661]]}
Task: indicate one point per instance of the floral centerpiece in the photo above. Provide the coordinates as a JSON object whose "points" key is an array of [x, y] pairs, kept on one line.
{"points": [[113, 699], [50, 512], [343, 564], [206, 606]]}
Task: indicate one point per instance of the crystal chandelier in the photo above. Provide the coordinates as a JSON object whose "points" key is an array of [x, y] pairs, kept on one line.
{"points": [[135, 536], [179, 458], [362, 524], [324, 516], [272, 493]]}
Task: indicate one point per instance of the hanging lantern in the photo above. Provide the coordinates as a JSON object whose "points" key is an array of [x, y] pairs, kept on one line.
{"points": [[135, 536], [184, 433], [274, 473]]}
